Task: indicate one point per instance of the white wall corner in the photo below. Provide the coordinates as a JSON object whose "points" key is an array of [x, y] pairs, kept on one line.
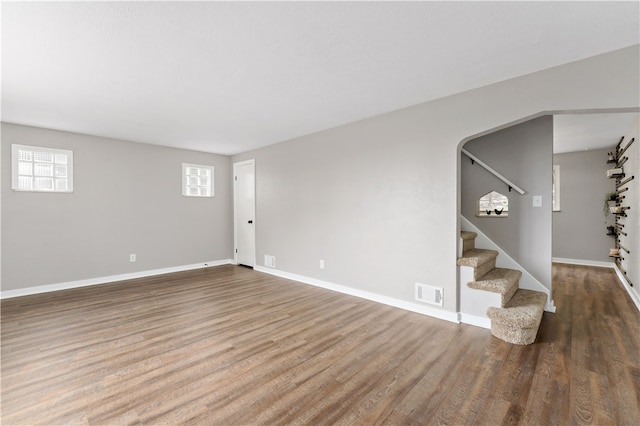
{"points": [[550, 306]]}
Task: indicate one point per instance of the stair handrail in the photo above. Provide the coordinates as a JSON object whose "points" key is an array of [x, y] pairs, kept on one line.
{"points": [[488, 168]]}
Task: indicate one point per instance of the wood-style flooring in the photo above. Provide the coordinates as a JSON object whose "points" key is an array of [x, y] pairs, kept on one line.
{"points": [[231, 346]]}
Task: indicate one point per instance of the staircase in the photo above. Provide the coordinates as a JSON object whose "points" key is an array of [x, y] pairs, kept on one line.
{"points": [[518, 317]]}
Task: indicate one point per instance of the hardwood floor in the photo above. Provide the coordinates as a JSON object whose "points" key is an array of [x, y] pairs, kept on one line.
{"points": [[231, 346]]}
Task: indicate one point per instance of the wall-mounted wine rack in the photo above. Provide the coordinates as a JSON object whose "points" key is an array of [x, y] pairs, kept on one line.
{"points": [[623, 211]]}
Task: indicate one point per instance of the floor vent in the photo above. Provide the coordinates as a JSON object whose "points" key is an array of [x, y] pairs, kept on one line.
{"points": [[429, 294]]}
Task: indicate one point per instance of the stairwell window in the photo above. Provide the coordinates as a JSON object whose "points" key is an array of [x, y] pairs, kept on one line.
{"points": [[39, 169], [556, 188], [493, 204], [197, 180]]}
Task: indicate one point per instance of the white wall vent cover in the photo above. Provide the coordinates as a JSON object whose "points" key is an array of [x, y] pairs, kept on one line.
{"points": [[429, 294]]}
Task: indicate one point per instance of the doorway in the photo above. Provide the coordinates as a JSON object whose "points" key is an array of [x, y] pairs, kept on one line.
{"points": [[244, 208]]}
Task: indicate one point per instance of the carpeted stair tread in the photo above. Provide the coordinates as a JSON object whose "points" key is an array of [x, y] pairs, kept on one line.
{"points": [[466, 235], [476, 257], [523, 310], [499, 280], [468, 240], [519, 320]]}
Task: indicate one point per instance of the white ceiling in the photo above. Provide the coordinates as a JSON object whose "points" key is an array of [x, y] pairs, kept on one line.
{"points": [[584, 132], [226, 77]]}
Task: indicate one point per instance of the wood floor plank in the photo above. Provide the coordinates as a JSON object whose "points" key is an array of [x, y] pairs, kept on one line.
{"points": [[231, 346]]}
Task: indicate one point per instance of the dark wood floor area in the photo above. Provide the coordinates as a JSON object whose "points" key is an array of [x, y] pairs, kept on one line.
{"points": [[230, 346]]}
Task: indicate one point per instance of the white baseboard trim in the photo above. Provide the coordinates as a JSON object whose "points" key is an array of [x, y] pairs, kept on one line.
{"points": [[475, 320], [413, 307], [634, 297], [104, 280], [582, 262]]}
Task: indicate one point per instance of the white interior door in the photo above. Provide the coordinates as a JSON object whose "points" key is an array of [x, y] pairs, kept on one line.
{"points": [[244, 196]]}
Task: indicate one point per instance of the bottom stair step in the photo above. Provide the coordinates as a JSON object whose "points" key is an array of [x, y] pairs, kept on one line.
{"points": [[519, 320]]}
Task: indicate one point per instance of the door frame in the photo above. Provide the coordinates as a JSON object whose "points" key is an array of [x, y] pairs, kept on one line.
{"points": [[235, 209]]}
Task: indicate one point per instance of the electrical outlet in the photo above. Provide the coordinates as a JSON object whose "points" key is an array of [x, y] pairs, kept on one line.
{"points": [[132, 258], [269, 261], [321, 263], [537, 201]]}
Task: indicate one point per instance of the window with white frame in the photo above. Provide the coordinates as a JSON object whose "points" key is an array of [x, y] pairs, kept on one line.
{"points": [[39, 169], [556, 188], [197, 180]]}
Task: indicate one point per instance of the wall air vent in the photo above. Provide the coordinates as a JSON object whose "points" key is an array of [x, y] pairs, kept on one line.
{"points": [[429, 294]]}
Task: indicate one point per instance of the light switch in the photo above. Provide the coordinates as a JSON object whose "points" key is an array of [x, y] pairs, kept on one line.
{"points": [[537, 201]]}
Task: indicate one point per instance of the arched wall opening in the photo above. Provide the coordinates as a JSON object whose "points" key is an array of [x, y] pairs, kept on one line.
{"points": [[521, 151]]}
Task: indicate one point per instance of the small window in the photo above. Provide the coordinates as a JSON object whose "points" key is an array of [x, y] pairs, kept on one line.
{"points": [[37, 169], [493, 204], [556, 188], [197, 180]]}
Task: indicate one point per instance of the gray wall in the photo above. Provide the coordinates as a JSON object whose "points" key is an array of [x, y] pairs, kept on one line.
{"points": [[523, 154], [579, 229], [378, 199], [127, 199]]}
